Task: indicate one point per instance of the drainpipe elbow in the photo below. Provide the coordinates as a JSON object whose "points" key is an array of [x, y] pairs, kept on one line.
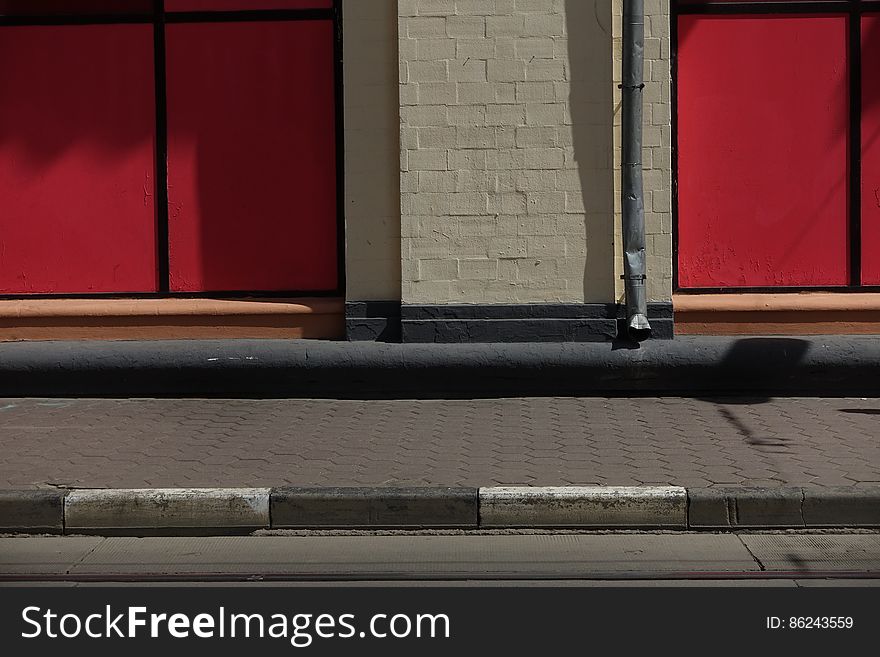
{"points": [[638, 327]]}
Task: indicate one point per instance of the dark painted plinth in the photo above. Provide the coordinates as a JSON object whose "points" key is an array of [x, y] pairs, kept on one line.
{"points": [[690, 365]]}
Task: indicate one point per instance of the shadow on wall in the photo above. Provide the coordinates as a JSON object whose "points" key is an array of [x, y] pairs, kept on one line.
{"points": [[784, 354], [591, 105]]}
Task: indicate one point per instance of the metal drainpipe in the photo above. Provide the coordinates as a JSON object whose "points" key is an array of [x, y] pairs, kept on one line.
{"points": [[634, 261]]}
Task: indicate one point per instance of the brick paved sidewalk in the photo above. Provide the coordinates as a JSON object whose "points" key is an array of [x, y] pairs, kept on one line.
{"points": [[202, 443]]}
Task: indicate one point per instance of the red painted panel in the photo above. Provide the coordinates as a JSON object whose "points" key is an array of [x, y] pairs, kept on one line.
{"points": [[718, 2], [871, 149], [237, 5], [762, 147], [74, 7], [251, 150], [77, 132]]}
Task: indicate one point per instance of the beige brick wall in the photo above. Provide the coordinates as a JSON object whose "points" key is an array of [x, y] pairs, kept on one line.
{"points": [[372, 150], [507, 125]]}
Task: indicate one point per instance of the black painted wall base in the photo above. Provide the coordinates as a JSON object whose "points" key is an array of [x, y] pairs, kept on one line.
{"points": [[388, 321], [372, 321]]}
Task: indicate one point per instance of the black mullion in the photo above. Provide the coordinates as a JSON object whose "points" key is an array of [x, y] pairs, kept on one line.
{"points": [[162, 253], [251, 15], [829, 6], [179, 17], [855, 146], [85, 19], [339, 103]]}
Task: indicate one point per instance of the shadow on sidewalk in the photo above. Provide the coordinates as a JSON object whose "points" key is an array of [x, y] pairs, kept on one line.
{"points": [[785, 354]]}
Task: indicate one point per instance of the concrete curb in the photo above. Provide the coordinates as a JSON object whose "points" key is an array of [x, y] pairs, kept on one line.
{"points": [[578, 506], [32, 511], [693, 365], [230, 511], [783, 508], [297, 508], [166, 511]]}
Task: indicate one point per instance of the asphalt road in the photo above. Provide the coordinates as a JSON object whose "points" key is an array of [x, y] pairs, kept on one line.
{"points": [[574, 558]]}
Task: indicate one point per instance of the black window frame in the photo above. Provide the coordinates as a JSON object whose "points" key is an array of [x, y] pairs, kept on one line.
{"points": [[854, 10], [159, 18]]}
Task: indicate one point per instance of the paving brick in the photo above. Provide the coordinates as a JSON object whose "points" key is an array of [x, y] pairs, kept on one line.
{"points": [[234, 443]]}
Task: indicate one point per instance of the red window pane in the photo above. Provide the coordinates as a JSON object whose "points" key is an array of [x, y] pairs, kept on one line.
{"points": [[870, 150], [729, 2], [75, 7], [77, 133], [762, 147], [239, 5], [251, 152]]}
